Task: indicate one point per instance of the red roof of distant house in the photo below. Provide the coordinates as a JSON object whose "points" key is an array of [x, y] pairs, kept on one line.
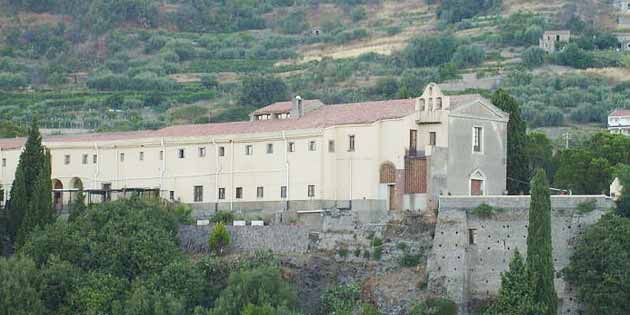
{"points": [[325, 116], [620, 112], [284, 107]]}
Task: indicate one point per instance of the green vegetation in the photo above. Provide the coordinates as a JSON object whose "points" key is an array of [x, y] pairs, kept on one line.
{"points": [[30, 206], [453, 11], [623, 204], [517, 159], [345, 300], [600, 268], [219, 238], [485, 211], [514, 295], [586, 207], [539, 250], [435, 306], [377, 248]]}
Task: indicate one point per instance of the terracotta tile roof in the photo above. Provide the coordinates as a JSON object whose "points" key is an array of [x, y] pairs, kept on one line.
{"points": [[326, 116], [620, 112], [284, 107]]}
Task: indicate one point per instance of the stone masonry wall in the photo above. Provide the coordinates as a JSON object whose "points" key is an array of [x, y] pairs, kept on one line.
{"points": [[469, 272]]}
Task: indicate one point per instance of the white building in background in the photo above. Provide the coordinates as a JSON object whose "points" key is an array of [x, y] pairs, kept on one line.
{"points": [[615, 189], [292, 156], [551, 40], [619, 122]]}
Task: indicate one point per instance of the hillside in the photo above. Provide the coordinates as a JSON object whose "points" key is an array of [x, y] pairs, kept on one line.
{"points": [[138, 64]]}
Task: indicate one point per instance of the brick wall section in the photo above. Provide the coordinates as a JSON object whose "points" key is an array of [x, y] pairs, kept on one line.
{"points": [[281, 239], [415, 176], [471, 272]]}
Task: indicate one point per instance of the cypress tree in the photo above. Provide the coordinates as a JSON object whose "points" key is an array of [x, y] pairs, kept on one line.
{"points": [[514, 295], [30, 203], [539, 250], [517, 159]]}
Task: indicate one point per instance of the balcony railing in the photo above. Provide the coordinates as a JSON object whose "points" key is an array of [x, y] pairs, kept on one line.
{"points": [[431, 117]]}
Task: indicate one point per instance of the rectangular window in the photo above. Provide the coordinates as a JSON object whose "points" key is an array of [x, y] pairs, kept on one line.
{"points": [[107, 191], [66, 159], [249, 149], [351, 146], [312, 146], [202, 152], [171, 195], [260, 192], [181, 154], [477, 139], [122, 157], [283, 192], [472, 235], [4, 162], [141, 156], [221, 151], [94, 159], [221, 193], [198, 193], [85, 159], [269, 148], [239, 192], [311, 191], [413, 140], [291, 147], [432, 138], [331, 146], [161, 155]]}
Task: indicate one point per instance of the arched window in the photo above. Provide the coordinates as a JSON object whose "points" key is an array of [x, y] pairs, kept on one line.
{"points": [[388, 173]]}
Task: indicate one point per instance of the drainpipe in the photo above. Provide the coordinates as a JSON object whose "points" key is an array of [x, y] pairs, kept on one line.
{"points": [[163, 170], [98, 167], [286, 164], [216, 175], [232, 192]]}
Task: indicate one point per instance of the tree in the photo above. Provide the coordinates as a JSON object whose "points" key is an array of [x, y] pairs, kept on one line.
{"points": [[533, 57], [517, 160], [623, 204], [539, 250], [514, 294], [77, 207], [600, 268], [429, 51], [540, 153], [219, 239], [30, 202], [468, 55], [456, 10], [435, 306], [261, 91], [19, 287]]}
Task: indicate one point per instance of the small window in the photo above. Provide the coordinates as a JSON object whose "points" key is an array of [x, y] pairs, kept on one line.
{"points": [[239, 192], [161, 155], [311, 191], [171, 195], [221, 193], [283, 192], [202, 152], [122, 157], [141, 156], [221, 151], [312, 146], [472, 236], [477, 139], [269, 148], [291, 147], [66, 159], [94, 158], [413, 140], [181, 153], [198, 193], [84, 160], [4, 162], [249, 149], [351, 145], [331, 146], [432, 138], [260, 192]]}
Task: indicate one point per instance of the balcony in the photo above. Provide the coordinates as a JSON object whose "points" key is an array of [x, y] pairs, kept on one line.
{"points": [[432, 117]]}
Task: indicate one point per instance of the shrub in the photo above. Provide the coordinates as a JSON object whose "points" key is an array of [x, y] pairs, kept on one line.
{"points": [[453, 11], [428, 51], [219, 238], [358, 14], [586, 206], [484, 211], [533, 57], [341, 299], [409, 260], [466, 56], [224, 217], [209, 81], [343, 252], [435, 306], [357, 252], [377, 248]]}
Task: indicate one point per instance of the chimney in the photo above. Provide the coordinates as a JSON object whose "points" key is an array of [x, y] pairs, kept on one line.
{"points": [[298, 108]]}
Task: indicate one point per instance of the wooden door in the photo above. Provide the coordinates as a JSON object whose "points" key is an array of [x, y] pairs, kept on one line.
{"points": [[392, 196], [476, 187]]}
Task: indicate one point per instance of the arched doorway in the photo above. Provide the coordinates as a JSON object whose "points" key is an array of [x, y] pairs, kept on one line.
{"points": [[388, 177], [57, 194], [477, 183], [77, 187]]}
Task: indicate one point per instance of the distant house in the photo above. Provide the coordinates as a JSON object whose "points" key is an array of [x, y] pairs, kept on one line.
{"points": [[551, 40], [623, 11], [619, 122], [615, 189], [624, 41]]}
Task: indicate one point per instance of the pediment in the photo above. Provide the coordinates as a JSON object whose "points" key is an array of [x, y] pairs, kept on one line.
{"points": [[480, 109]]}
